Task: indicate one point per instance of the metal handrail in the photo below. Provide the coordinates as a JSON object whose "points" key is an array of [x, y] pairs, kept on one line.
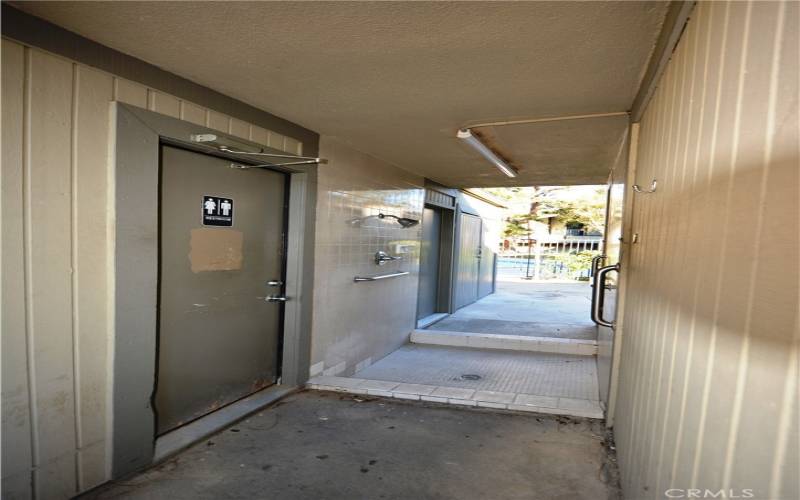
{"points": [[598, 294], [595, 262], [359, 279]]}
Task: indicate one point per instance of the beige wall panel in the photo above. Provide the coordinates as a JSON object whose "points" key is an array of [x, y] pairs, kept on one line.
{"points": [[292, 146], [647, 236], [93, 94], [786, 463], [218, 121], [784, 479], [193, 113], [276, 141], [48, 227], [16, 418], [744, 151], [773, 290], [130, 92], [692, 226], [707, 392], [259, 135], [239, 128], [706, 232], [163, 103], [657, 237], [55, 230], [676, 228]]}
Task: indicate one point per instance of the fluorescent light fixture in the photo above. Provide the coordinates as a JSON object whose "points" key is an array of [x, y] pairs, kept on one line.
{"points": [[466, 136]]}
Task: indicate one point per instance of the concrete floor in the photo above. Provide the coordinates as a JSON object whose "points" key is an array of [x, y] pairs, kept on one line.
{"points": [[336, 446], [539, 309]]}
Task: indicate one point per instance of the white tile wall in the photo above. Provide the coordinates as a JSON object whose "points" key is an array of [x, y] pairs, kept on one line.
{"points": [[359, 323]]}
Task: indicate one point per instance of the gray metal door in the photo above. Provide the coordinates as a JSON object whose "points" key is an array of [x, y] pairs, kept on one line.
{"points": [[487, 272], [218, 337], [427, 300], [469, 256]]}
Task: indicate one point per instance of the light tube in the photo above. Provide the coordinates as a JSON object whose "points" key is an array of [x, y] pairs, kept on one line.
{"points": [[466, 136]]}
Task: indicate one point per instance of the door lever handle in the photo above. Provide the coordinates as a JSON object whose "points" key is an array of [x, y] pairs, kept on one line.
{"points": [[274, 283], [276, 298]]}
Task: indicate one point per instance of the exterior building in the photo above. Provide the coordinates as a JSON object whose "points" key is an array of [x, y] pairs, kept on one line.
{"points": [[121, 120]]}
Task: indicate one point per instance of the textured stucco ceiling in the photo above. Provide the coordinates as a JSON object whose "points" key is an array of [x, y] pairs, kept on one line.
{"points": [[397, 79], [579, 151]]}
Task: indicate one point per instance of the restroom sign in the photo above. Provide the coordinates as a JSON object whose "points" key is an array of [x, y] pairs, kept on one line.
{"points": [[217, 211]]}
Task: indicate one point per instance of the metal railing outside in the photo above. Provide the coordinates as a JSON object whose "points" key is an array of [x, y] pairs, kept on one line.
{"points": [[567, 259]]}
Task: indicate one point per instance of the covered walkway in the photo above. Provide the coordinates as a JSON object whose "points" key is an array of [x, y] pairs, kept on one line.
{"points": [[209, 208]]}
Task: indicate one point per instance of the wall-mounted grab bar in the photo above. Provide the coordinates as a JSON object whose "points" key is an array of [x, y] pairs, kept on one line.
{"points": [[598, 293], [359, 279]]}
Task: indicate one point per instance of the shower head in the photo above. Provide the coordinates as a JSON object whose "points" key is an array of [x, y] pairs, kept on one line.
{"points": [[407, 222], [403, 221]]}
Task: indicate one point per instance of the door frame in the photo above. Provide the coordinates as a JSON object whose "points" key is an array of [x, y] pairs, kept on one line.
{"points": [[284, 226], [133, 206], [445, 276], [445, 200]]}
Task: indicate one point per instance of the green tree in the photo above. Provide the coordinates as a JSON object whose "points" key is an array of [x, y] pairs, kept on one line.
{"points": [[553, 202]]}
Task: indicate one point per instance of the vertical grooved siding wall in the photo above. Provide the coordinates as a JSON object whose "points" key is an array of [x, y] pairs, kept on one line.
{"points": [[708, 391], [56, 338]]}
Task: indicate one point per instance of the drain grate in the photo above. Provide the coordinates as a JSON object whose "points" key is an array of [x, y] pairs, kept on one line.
{"points": [[470, 376]]}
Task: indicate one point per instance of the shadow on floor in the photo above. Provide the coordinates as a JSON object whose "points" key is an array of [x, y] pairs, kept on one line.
{"points": [[338, 446]]}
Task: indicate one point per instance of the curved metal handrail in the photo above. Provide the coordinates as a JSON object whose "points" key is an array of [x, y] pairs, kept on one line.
{"points": [[598, 293]]}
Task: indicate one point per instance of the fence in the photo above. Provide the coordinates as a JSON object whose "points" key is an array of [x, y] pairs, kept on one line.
{"points": [[557, 260]]}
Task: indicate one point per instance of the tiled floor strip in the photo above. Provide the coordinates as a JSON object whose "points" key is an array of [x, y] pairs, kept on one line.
{"points": [[460, 396]]}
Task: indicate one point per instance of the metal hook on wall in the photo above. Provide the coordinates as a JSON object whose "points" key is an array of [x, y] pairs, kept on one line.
{"points": [[652, 189]]}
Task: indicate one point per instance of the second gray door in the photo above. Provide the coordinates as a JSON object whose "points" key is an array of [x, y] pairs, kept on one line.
{"points": [[427, 300], [469, 258], [222, 234]]}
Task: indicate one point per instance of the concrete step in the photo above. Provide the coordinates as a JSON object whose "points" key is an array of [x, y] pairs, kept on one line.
{"points": [[460, 396], [506, 342]]}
